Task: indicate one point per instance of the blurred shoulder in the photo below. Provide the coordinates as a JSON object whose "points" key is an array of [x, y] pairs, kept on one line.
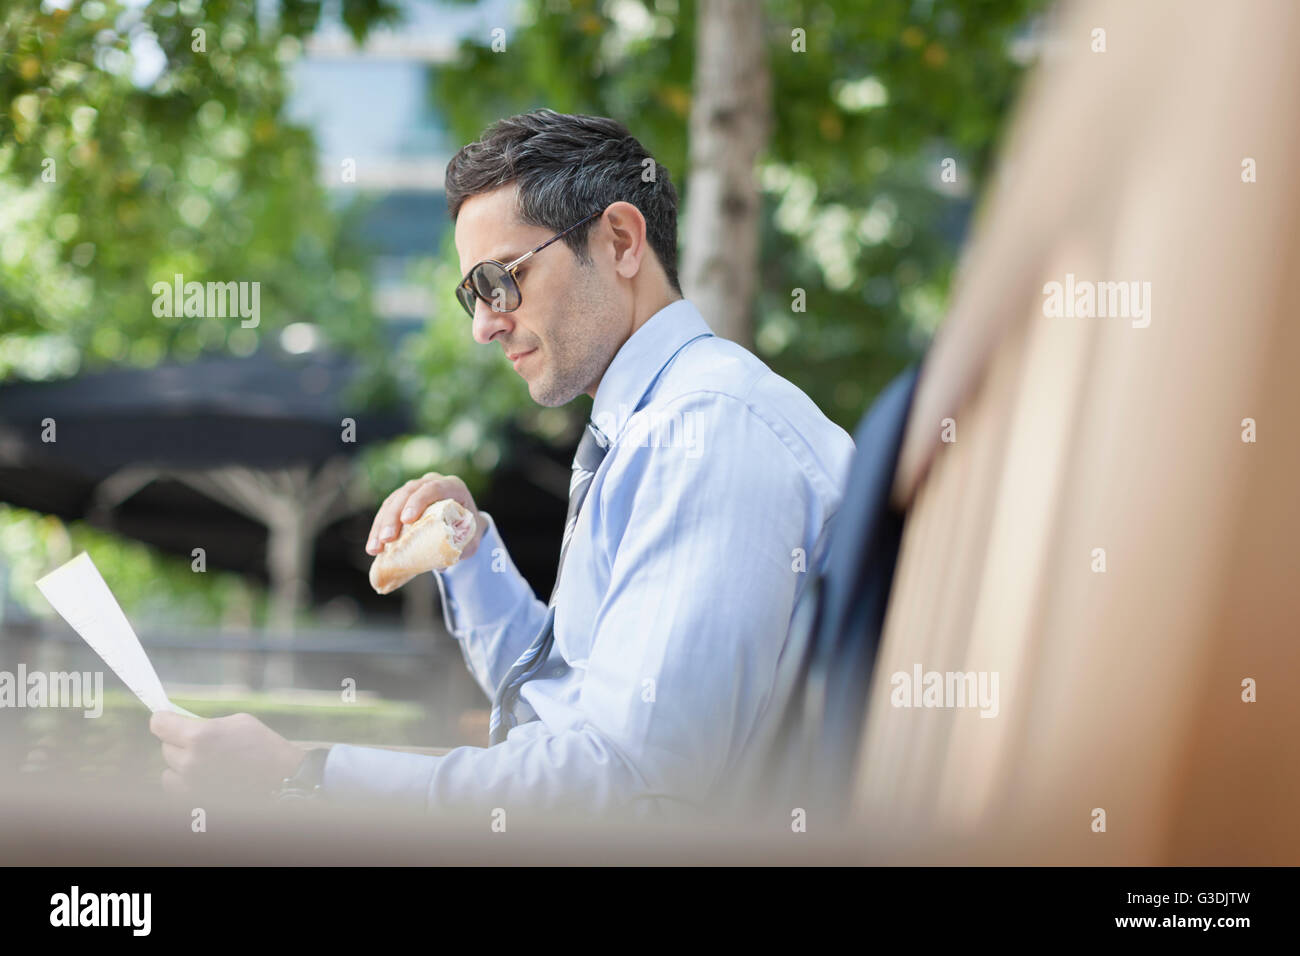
{"points": [[728, 380]]}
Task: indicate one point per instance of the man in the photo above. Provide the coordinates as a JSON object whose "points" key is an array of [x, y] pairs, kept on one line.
{"points": [[700, 503]]}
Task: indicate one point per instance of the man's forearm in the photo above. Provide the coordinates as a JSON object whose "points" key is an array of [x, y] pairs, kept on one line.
{"points": [[489, 608], [574, 772]]}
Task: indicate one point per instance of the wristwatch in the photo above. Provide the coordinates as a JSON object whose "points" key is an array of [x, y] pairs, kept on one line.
{"points": [[307, 781]]}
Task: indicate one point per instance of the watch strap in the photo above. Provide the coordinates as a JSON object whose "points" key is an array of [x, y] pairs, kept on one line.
{"points": [[308, 780]]}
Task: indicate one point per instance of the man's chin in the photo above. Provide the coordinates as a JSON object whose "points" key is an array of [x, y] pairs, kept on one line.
{"points": [[545, 393], [547, 400]]}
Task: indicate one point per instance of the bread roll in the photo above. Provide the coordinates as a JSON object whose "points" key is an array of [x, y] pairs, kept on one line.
{"points": [[432, 542]]}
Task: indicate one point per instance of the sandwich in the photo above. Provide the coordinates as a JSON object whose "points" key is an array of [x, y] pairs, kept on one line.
{"points": [[432, 542]]}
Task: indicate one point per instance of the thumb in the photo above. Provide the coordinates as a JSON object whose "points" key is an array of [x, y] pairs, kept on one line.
{"points": [[166, 724]]}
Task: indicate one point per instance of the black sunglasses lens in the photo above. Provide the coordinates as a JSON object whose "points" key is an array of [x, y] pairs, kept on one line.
{"points": [[496, 287], [467, 298], [484, 277]]}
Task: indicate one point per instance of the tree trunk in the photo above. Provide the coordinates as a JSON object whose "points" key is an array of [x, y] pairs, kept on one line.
{"points": [[729, 125]]}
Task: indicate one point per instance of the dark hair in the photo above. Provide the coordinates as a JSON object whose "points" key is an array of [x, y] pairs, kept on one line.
{"points": [[567, 167]]}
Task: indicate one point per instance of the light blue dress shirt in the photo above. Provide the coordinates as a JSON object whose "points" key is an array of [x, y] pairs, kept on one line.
{"points": [[699, 532]]}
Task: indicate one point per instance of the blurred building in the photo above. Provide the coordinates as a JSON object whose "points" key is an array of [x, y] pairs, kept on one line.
{"points": [[380, 138]]}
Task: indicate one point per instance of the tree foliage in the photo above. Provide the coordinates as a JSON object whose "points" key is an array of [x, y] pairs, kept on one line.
{"points": [[868, 99], [143, 140], [138, 142]]}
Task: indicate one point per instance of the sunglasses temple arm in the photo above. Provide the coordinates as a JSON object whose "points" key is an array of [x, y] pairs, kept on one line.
{"points": [[528, 255], [558, 235]]}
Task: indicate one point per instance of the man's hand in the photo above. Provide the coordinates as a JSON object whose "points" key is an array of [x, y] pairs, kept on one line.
{"points": [[408, 502], [233, 755]]}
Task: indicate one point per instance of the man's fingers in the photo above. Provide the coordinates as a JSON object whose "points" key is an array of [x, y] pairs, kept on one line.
{"points": [[172, 782], [169, 725], [177, 758], [408, 503], [434, 489], [384, 526]]}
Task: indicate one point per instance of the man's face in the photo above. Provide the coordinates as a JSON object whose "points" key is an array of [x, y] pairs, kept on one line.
{"points": [[568, 326]]}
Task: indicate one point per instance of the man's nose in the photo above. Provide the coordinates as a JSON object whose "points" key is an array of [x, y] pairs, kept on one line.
{"points": [[488, 322]]}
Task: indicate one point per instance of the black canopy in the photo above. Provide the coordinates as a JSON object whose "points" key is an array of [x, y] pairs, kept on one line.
{"points": [[214, 453]]}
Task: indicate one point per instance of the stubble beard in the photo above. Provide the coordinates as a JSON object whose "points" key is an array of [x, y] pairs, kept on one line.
{"points": [[573, 367], [577, 354]]}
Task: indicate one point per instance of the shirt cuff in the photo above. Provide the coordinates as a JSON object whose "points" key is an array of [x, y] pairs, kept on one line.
{"points": [[485, 583], [363, 775]]}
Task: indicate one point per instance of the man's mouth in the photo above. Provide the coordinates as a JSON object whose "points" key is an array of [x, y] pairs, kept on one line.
{"points": [[518, 357]]}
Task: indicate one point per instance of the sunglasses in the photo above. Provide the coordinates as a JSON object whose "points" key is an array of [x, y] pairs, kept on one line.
{"points": [[496, 283]]}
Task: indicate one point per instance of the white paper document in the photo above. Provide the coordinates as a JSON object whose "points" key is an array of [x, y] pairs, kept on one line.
{"points": [[78, 592]]}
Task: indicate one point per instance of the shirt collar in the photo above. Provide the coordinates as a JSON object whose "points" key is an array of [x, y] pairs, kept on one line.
{"points": [[639, 362]]}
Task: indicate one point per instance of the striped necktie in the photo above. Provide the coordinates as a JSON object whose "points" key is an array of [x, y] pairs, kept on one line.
{"points": [[591, 451]]}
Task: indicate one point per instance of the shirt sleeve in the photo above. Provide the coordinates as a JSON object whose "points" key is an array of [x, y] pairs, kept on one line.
{"points": [[489, 608], [704, 574]]}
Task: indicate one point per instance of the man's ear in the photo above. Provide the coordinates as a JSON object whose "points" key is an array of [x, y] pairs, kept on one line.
{"points": [[626, 228]]}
